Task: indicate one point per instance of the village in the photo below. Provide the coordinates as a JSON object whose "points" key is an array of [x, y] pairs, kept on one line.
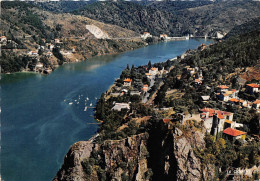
{"points": [[141, 85]]}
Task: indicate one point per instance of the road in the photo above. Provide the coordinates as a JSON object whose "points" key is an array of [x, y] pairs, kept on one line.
{"points": [[145, 99]]}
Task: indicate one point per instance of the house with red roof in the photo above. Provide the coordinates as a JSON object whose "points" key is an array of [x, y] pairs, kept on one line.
{"points": [[252, 88], [233, 134], [127, 82], [214, 120], [223, 88]]}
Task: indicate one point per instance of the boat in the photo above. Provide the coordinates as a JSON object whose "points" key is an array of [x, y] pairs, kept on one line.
{"points": [[90, 104], [70, 103]]}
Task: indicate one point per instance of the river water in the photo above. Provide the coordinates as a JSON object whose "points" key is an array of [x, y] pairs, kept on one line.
{"points": [[42, 116]]}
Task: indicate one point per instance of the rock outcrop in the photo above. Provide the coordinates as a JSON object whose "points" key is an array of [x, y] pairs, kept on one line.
{"points": [[168, 156]]}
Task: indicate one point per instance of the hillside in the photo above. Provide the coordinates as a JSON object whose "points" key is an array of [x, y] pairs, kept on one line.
{"points": [[28, 29], [132, 16], [174, 18], [244, 28], [178, 135]]}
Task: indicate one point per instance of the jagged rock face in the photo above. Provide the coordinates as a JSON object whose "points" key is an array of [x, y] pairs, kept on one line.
{"points": [[126, 157], [168, 153], [189, 166], [72, 169]]}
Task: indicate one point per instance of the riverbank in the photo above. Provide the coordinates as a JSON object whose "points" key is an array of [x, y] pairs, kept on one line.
{"points": [[34, 110]]}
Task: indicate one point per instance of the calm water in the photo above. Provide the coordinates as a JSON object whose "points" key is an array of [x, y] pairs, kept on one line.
{"points": [[38, 125]]}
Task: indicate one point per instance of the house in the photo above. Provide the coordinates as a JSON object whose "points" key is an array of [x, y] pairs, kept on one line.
{"points": [[205, 98], [252, 88], [167, 120], [127, 82], [120, 106], [124, 91], [163, 36], [146, 35], [135, 93], [3, 38], [214, 120], [145, 88], [57, 41], [233, 134], [198, 81], [222, 88], [48, 54], [153, 71], [33, 53], [186, 117], [39, 65], [191, 70], [257, 104], [149, 75], [223, 97]]}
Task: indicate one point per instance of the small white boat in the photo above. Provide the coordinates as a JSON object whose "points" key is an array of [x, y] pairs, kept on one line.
{"points": [[87, 98], [90, 104], [70, 103]]}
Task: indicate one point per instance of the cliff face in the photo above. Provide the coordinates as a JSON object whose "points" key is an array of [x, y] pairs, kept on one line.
{"points": [[167, 155]]}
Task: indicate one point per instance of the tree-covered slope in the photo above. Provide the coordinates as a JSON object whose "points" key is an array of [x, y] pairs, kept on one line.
{"points": [[174, 18], [244, 28]]}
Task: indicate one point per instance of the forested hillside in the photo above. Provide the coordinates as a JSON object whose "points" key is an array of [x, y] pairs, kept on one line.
{"points": [[174, 18]]}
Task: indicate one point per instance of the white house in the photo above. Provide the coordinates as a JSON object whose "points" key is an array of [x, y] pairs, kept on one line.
{"points": [[146, 35], [153, 71], [3, 38], [251, 88], [127, 82], [120, 106]]}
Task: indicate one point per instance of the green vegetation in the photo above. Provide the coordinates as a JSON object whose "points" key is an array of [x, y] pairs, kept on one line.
{"points": [[14, 63], [174, 18], [225, 155]]}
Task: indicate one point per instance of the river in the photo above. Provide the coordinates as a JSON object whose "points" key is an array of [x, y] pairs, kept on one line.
{"points": [[42, 116]]}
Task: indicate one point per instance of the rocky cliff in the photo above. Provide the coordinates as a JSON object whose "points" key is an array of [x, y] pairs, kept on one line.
{"points": [[159, 154]]}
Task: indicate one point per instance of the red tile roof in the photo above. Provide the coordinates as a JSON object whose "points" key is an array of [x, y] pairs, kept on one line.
{"points": [[257, 102], [233, 100], [233, 132], [166, 120], [223, 87], [128, 80], [253, 85]]}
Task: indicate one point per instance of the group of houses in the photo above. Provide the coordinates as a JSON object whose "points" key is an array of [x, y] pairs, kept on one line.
{"points": [[230, 96], [136, 86]]}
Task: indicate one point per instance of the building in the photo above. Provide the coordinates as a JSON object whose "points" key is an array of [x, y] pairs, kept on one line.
{"points": [[3, 38], [57, 41], [33, 53], [163, 36], [135, 93], [145, 88], [198, 81], [233, 134], [214, 120], [252, 88], [39, 65], [146, 35], [127, 82], [257, 104], [120, 106], [153, 71], [223, 88], [149, 75], [205, 98]]}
